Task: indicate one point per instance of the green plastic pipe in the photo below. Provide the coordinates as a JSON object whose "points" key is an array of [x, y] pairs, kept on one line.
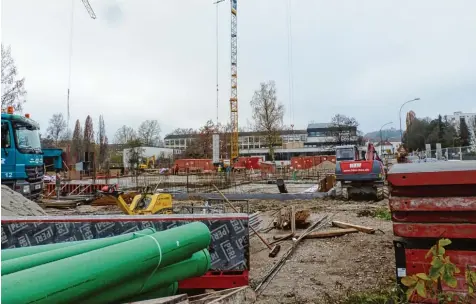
{"points": [[74, 278], [29, 261], [157, 293], [13, 253], [196, 266]]}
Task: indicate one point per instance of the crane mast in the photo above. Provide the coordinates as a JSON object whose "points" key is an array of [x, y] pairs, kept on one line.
{"points": [[234, 82]]}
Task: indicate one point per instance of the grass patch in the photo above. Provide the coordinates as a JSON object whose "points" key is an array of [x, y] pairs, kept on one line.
{"points": [[383, 213], [389, 295]]}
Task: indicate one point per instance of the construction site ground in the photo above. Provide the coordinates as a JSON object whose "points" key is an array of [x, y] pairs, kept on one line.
{"points": [[320, 270]]}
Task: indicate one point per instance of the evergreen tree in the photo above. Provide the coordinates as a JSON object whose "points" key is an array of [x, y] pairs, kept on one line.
{"points": [[77, 142], [464, 135], [88, 138]]}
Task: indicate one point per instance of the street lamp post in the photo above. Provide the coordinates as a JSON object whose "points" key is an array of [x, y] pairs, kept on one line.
{"points": [[388, 123], [400, 117]]}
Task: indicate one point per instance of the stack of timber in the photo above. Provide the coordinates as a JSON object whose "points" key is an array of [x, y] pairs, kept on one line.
{"points": [[131, 267]]}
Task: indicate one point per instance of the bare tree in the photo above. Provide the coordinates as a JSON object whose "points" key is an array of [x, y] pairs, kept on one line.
{"points": [[343, 129], [102, 139], [46, 142], [88, 138], [201, 145], [134, 154], [77, 142], [13, 89], [56, 127], [183, 131], [149, 133], [67, 135], [268, 114], [124, 135]]}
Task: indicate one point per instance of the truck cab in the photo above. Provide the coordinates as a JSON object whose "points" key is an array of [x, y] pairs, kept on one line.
{"points": [[22, 158], [347, 153]]}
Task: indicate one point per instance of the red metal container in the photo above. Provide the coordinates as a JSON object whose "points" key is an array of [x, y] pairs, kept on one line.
{"points": [[430, 201]]}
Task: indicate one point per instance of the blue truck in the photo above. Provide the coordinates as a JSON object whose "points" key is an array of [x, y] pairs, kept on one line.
{"points": [[22, 158]]}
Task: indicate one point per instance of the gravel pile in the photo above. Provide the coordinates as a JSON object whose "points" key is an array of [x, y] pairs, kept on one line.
{"points": [[15, 204]]}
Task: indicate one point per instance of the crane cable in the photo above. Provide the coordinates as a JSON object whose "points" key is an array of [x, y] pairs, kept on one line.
{"points": [[290, 62], [70, 58], [217, 58]]}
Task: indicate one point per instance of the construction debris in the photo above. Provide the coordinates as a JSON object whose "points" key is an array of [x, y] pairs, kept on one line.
{"points": [[283, 220], [275, 269], [15, 204], [228, 296], [358, 227]]}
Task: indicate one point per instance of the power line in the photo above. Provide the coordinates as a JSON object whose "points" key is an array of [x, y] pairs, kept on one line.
{"points": [[70, 58], [290, 61]]}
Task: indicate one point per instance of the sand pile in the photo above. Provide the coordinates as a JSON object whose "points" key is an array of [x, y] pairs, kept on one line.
{"points": [[15, 204], [327, 165]]}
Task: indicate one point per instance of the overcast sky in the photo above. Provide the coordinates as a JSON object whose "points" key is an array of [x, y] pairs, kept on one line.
{"points": [[156, 59]]}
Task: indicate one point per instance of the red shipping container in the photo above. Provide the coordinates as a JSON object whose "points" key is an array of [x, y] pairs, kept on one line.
{"points": [[308, 162], [317, 160], [254, 162], [297, 163]]}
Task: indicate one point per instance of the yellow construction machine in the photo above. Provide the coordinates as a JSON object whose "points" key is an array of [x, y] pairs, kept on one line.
{"points": [[145, 203], [148, 163]]}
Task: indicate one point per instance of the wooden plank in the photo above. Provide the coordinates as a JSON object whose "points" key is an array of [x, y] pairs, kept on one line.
{"points": [[330, 233], [242, 295], [358, 227], [182, 298], [293, 219]]}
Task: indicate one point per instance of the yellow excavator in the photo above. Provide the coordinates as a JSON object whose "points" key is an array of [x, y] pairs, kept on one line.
{"points": [[148, 163], [145, 203]]}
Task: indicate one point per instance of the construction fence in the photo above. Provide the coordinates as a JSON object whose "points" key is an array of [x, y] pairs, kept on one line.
{"points": [[450, 153]]}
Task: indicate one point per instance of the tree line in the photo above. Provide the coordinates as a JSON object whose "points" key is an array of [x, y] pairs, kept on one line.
{"points": [[81, 141], [84, 139], [267, 120], [422, 131]]}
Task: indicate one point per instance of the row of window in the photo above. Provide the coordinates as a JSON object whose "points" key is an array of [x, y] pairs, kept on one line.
{"points": [[242, 140]]}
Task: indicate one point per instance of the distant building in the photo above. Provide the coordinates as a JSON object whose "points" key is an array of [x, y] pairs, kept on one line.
{"points": [[455, 119], [385, 147], [318, 138], [469, 118], [246, 140], [326, 135]]}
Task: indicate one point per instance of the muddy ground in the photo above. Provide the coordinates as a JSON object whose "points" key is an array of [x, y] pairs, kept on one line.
{"points": [[323, 270], [320, 270]]}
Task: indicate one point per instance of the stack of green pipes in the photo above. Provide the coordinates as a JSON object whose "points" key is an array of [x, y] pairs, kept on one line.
{"points": [[130, 267]]}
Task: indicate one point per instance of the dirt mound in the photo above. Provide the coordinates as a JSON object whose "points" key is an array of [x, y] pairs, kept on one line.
{"points": [[15, 204], [326, 165]]}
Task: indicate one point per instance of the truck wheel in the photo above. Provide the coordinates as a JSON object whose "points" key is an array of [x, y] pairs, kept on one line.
{"points": [[380, 193], [345, 194], [338, 188], [386, 192]]}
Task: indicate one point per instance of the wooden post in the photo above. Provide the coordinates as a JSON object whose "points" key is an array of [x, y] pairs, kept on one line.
{"points": [[293, 219]]}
